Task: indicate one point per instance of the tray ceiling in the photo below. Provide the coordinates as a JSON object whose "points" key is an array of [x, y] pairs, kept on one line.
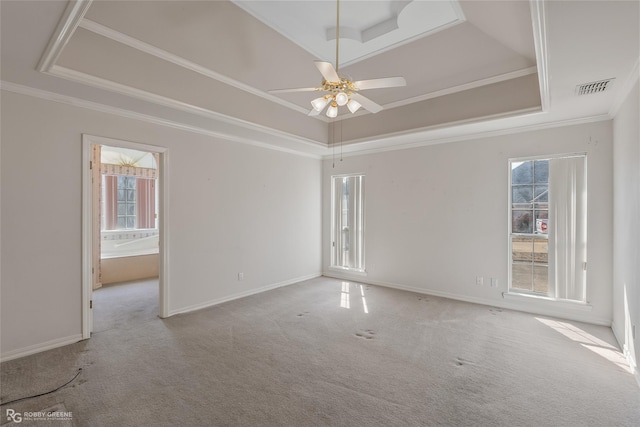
{"points": [[217, 57], [365, 29], [215, 61]]}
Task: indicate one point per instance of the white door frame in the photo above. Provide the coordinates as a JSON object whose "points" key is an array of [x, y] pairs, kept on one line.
{"points": [[87, 227]]}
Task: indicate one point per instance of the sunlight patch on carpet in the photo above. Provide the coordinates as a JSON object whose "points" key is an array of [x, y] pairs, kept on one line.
{"points": [[588, 341]]}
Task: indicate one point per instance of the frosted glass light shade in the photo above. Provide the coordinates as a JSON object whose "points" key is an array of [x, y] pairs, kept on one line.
{"points": [[319, 103], [353, 106], [342, 99], [332, 111]]}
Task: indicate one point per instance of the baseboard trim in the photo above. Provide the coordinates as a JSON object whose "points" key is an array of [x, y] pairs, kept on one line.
{"points": [[577, 316], [432, 292], [619, 334], [38, 348], [232, 297]]}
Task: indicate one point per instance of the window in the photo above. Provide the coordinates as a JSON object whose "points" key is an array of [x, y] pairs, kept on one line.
{"points": [[129, 202], [529, 221], [126, 202], [347, 225], [548, 227]]}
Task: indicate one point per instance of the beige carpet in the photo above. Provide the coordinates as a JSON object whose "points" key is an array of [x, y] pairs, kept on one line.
{"points": [[328, 353], [125, 305]]}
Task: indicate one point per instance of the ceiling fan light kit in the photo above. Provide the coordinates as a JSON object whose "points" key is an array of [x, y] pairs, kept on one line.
{"points": [[332, 111], [342, 91], [353, 105], [318, 104], [341, 98]]}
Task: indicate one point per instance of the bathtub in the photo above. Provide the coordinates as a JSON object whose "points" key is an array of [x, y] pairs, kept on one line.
{"points": [[128, 255], [117, 243]]}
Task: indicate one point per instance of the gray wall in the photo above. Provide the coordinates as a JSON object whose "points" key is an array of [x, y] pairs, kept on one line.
{"points": [[436, 216], [232, 208], [626, 227]]}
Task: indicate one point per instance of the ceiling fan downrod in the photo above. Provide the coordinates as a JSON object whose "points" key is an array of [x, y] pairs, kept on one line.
{"points": [[337, 33]]}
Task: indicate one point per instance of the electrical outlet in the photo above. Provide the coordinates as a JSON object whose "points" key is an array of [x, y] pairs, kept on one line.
{"points": [[494, 282], [479, 280], [240, 276]]}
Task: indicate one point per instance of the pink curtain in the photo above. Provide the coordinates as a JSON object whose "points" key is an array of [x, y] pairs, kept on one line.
{"points": [[146, 202], [111, 202]]}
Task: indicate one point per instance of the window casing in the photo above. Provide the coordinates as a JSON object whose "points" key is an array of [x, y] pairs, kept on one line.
{"points": [[129, 202], [347, 226], [547, 227]]}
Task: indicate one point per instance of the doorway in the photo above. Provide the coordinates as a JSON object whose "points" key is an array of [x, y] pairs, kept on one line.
{"points": [[126, 224]]}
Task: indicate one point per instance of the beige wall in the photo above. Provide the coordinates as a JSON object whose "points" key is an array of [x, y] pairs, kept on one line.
{"points": [[437, 216], [626, 227], [232, 208], [124, 269]]}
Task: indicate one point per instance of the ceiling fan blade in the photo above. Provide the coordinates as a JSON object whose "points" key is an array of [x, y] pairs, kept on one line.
{"points": [[380, 83], [314, 112], [300, 89], [328, 72], [366, 103]]}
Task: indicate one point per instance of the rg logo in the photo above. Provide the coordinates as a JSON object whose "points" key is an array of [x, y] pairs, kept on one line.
{"points": [[14, 416]]}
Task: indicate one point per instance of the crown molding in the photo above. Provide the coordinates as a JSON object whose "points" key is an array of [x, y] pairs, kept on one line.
{"points": [[71, 18], [461, 88], [137, 44], [121, 112], [358, 34], [430, 136], [109, 85], [539, 23], [455, 89], [625, 90], [393, 142]]}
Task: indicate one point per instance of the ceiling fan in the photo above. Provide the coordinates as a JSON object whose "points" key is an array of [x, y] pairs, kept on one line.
{"points": [[342, 91]]}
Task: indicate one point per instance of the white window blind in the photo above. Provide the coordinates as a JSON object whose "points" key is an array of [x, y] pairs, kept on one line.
{"points": [[567, 236], [348, 222], [548, 227]]}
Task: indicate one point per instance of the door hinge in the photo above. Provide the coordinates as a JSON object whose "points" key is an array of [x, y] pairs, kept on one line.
{"points": [[91, 304], [93, 270], [584, 266], [90, 164]]}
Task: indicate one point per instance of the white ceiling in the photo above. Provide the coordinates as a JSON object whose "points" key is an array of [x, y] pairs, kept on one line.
{"points": [[472, 67], [365, 29]]}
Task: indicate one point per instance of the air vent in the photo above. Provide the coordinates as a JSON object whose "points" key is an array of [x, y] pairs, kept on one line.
{"points": [[593, 87]]}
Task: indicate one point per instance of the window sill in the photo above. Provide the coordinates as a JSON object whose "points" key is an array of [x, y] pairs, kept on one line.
{"points": [[546, 301]]}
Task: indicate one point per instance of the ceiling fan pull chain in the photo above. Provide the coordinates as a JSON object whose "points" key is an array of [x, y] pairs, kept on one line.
{"points": [[340, 140]]}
